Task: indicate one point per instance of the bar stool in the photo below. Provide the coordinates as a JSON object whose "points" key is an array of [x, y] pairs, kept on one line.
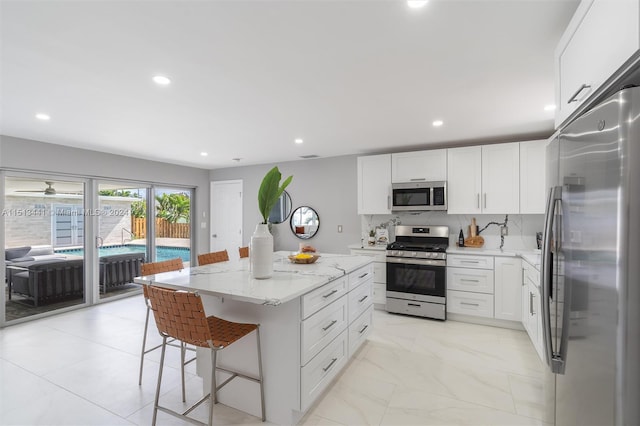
{"points": [[156, 268], [180, 315], [244, 251], [213, 257]]}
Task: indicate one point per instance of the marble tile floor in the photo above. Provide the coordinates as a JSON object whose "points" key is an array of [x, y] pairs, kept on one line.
{"points": [[81, 368]]}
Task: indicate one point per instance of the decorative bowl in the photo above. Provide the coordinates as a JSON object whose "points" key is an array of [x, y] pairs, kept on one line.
{"points": [[296, 258]]}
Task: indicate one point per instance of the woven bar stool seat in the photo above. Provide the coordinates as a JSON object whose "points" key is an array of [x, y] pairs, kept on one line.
{"points": [[180, 315], [243, 251], [213, 257]]}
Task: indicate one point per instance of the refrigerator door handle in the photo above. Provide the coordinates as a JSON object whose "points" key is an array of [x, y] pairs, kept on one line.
{"points": [[546, 284]]}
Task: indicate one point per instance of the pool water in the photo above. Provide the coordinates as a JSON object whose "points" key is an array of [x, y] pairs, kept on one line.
{"points": [[162, 252]]}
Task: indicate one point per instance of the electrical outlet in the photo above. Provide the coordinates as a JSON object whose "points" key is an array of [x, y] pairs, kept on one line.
{"points": [[504, 231], [339, 228]]}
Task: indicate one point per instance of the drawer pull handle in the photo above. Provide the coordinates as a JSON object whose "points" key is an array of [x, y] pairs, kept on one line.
{"points": [[363, 299], [330, 325], [333, 361], [363, 329], [469, 304], [469, 261], [417, 179], [574, 98], [363, 275], [330, 294], [469, 281], [414, 304]]}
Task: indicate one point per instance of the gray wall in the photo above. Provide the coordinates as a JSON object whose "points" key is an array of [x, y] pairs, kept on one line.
{"points": [[29, 155], [329, 185]]}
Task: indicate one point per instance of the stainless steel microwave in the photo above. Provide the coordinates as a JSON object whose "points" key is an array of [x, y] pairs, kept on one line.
{"points": [[419, 196]]}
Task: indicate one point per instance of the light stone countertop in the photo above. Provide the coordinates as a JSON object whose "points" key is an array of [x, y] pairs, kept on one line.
{"points": [[233, 279], [368, 247]]}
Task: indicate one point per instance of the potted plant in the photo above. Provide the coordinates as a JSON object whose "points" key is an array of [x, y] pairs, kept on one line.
{"points": [[262, 240], [372, 237]]}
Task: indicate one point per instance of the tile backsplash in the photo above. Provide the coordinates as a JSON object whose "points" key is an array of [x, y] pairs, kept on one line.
{"points": [[522, 228]]}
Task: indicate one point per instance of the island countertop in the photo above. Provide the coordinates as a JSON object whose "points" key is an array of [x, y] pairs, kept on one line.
{"points": [[233, 279]]}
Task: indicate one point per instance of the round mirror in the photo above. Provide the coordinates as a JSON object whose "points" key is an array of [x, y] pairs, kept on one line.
{"points": [[281, 211], [305, 222]]}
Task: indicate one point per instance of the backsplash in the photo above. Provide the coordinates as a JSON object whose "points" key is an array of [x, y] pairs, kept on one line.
{"points": [[522, 228]]}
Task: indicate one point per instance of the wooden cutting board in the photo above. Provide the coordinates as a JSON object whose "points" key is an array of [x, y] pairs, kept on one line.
{"points": [[475, 242]]}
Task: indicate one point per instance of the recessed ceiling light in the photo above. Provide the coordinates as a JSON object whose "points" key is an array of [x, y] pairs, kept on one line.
{"points": [[44, 117], [204, 154], [416, 4], [298, 141], [161, 80], [550, 107], [437, 123]]}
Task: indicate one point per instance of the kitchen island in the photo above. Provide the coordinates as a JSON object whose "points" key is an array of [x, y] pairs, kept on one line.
{"points": [[313, 318]]}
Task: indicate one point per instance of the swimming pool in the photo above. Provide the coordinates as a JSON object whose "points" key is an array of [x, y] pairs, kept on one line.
{"points": [[162, 252]]}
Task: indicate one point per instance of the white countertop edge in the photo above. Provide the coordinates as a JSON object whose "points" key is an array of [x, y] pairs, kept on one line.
{"points": [[165, 279]]}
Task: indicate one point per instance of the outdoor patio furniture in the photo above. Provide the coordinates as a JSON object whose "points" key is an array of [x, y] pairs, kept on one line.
{"points": [[118, 270], [48, 281]]}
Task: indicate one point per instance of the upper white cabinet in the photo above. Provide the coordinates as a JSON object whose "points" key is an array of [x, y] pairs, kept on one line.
{"points": [[419, 166], [374, 184], [484, 179], [532, 172], [601, 37]]}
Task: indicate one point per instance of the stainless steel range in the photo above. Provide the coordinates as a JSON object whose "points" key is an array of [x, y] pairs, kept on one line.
{"points": [[416, 271]]}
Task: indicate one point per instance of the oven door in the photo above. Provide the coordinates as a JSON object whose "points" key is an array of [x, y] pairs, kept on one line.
{"points": [[418, 279]]}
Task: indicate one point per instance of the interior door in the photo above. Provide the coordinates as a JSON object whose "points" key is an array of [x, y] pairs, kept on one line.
{"points": [[226, 216]]}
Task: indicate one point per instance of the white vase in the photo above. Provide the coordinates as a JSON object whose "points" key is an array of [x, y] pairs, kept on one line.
{"points": [[261, 252]]}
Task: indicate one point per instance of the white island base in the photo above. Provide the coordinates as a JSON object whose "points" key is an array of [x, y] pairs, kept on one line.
{"points": [[312, 318]]}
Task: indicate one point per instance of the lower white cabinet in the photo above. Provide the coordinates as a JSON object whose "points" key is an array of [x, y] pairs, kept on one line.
{"points": [[379, 273], [531, 306], [484, 286], [336, 320], [508, 288], [318, 373], [468, 303]]}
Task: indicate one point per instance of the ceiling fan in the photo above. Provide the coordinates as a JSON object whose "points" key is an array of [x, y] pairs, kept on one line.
{"points": [[49, 190]]}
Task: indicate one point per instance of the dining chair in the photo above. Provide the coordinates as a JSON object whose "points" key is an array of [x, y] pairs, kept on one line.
{"points": [[244, 251], [213, 257], [180, 315], [150, 269]]}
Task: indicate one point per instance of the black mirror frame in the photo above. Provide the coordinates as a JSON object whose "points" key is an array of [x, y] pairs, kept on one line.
{"points": [[284, 219], [292, 226]]}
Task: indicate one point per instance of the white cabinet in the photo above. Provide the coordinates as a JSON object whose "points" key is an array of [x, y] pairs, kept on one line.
{"points": [[508, 288], [484, 179], [532, 172], [485, 286], [336, 320], [531, 306], [374, 184], [379, 274], [601, 37], [419, 166]]}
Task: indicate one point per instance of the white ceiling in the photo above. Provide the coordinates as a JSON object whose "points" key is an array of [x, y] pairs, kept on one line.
{"points": [[248, 77]]}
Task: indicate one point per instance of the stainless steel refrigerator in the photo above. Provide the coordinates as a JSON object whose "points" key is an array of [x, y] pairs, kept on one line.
{"points": [[591, 267]]}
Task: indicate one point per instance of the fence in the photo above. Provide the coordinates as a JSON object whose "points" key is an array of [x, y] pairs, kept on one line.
{"points": [[164, 229]]}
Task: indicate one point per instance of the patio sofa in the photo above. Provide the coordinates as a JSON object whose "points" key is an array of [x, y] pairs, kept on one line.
{"points": [[45, 277], [119, 269]]}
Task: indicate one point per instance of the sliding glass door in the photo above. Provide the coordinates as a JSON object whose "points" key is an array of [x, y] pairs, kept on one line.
{"points": [[122, 237], [44, 245], [172, 223]]}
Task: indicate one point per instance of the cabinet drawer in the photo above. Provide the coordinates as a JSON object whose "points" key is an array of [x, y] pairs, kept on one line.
{"points": [[360, 299], [476, 304], [359, 330], [319, 298], [464, 261], [377, 255], [379, 293], [476, 280], [317, 374], [360, 276], [322, 327], [380, 272]]}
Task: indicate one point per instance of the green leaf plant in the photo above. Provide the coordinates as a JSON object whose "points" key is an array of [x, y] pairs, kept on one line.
{"points": [[269, 192]]}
